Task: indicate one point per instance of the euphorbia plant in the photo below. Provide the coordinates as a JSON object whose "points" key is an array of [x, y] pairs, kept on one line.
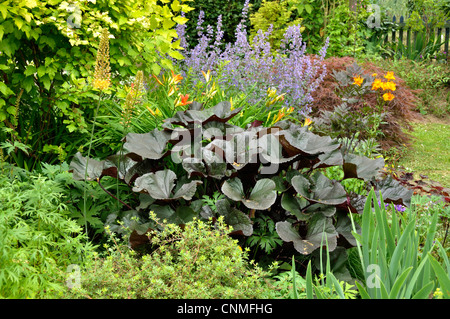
{"points": [[274, 170]]}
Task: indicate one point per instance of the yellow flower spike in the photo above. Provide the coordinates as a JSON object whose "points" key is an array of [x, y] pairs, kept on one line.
{"points": [[102, 73], [388, 96], [358, 80], [389, 76], [231, 102]]}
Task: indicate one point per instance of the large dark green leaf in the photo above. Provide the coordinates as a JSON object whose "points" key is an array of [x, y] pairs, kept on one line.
{"points": [[320, 230], [160, 185], [240, 222], [393, 191], [362, 167], [295, 205], [182, 214], [152, 145], [210, 165], [78, 168], [238, 151], [320, 189], [302, 141], [262, 196], [219, 113], [344, 228]]}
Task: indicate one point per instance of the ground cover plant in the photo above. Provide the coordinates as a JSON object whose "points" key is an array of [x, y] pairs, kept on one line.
{"points": [[251, 159]]}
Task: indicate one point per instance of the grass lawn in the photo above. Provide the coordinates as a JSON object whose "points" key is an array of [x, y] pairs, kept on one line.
{"points": [[430, 151]]}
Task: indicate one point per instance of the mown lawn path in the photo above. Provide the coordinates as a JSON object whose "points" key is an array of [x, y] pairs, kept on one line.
{"points": [[430, 151]]}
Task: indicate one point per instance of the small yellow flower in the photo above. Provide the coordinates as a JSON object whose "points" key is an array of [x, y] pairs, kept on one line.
{"points": [[388, 96], [389, 76], [358, 80], [374, 75], [271, 92]]}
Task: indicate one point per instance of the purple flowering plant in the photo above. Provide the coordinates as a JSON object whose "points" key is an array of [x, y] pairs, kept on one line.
{"points": [[253, 68]]}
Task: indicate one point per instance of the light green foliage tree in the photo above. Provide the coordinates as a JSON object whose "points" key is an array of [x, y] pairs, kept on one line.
{"points": [[47, 57], [276, 14]]}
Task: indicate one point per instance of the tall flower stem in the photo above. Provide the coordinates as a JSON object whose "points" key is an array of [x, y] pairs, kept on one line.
{"points": [[87, 162]]}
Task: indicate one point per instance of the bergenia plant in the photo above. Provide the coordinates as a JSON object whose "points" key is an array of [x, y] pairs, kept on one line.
{"points": [[277, 171]]}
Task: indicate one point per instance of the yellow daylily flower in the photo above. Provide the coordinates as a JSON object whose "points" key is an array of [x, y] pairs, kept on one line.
{"points": [[389, 76], [388, 96], [358, 80], [207, 75]]}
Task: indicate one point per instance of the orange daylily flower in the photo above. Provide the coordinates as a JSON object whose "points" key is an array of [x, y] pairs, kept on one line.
{"points": [[358, 80], [157, 80], [388, 96], [307, 122], [176, 78], [389, 76], [183, 100]]}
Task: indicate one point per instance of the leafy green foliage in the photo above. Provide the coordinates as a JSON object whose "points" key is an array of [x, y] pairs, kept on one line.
{"points": [[48, 55], [394, 265], [275, 15], [193, 262], [38, 239]]}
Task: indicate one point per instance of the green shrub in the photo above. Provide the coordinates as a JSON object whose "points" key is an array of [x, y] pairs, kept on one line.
{"points": [[37, 239], [47, 63], [199, 261], [275, 15]]}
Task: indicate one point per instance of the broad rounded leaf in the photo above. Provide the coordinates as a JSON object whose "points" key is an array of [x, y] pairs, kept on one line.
{"points": [[161, 184], [78, 168], [362, 167], [150, 145], [320, 189], [262, 197], [240, 222], [303, 141], [315, 236]]}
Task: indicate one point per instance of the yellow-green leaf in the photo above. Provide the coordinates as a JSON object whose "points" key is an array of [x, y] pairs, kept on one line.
{"points": [[176, 55], [180, 20]]}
